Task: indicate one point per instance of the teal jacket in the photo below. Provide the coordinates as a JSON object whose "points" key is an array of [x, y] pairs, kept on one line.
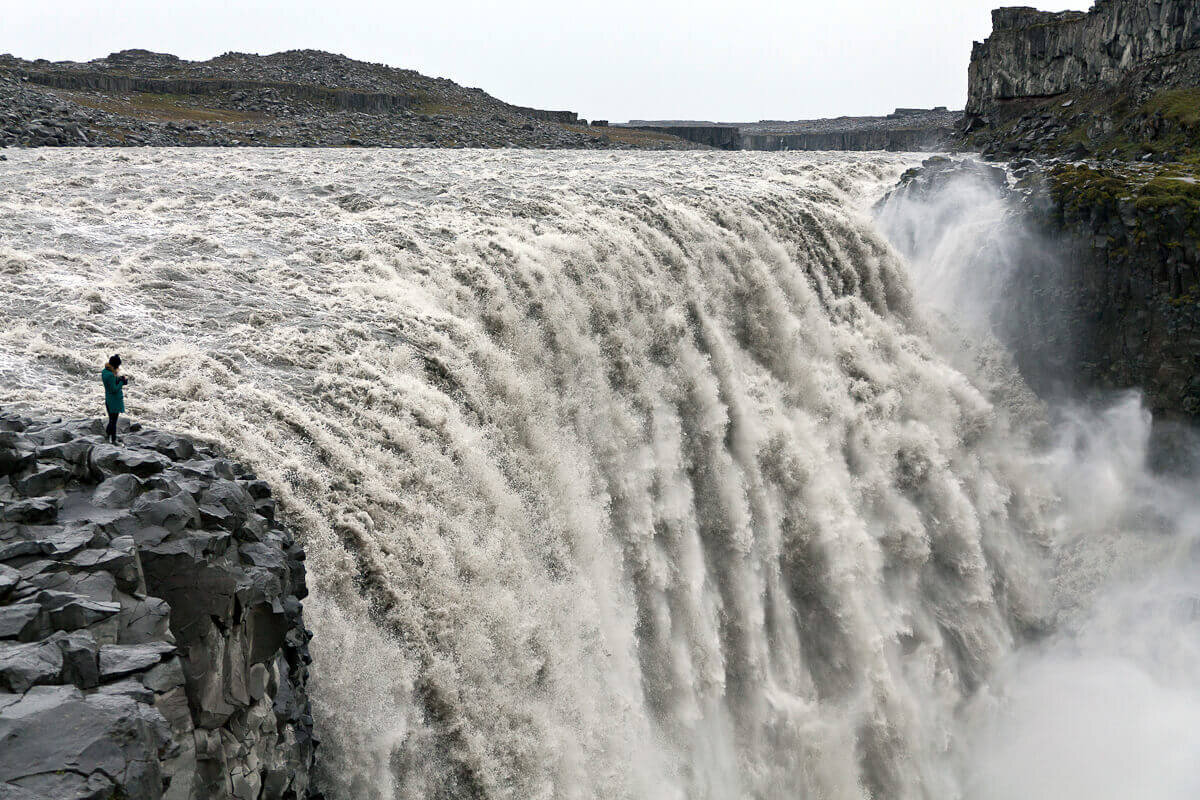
{"points": [[114, 392]]}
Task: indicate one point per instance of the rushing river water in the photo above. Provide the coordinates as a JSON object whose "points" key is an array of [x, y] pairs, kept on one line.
{"points": [[652, 476]]}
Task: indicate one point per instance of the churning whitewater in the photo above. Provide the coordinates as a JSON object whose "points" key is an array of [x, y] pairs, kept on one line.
{"points": [[621, 476]]}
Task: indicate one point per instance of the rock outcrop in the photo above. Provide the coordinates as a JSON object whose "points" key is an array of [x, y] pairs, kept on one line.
{"points": [[152, 643], [1033, 53], [1119, 81]]}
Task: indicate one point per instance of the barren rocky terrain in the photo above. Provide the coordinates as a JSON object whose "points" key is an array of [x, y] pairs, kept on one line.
{"points": [[300, 98]]}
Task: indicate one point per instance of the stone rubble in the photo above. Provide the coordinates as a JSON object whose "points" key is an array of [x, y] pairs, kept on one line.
{"points": [[152, 642]]}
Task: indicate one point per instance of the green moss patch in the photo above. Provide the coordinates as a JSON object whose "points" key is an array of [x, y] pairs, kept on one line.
{"points": [[1180, 105], [1152, 189]]}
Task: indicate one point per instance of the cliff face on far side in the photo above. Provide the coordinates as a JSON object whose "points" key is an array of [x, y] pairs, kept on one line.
{"points": [[1121, 80], [907, 129], [152, 640], [1039, 54]]}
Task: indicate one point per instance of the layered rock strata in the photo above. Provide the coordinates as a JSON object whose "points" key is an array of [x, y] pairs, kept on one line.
{"points": [[152, 642]]}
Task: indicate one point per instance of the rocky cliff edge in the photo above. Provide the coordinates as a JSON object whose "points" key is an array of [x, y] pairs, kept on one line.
{"points": [[1120, 81], [152, 642]]}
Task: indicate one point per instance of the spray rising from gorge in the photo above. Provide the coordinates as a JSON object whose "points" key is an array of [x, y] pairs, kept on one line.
{"points": [[627, 476]]}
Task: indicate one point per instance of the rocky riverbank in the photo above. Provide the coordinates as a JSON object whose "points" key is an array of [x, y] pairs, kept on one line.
{"points": [[300, 98], [152, 641]]}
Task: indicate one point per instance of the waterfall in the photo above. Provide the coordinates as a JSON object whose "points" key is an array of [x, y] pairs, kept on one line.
{"points": [[620, 476]]}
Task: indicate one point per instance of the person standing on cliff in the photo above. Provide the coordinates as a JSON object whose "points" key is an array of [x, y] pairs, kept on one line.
{"points": [[114, 395]]}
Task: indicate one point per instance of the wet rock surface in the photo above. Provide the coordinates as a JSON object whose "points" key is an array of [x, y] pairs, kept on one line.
{"points": [[1106, 292], [299, 98], [152, 643]]}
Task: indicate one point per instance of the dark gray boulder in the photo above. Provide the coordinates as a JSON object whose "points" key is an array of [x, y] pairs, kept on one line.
{"points": [[61, 743], [20, 621], [117, 660], [23, 666], [8, 581], [119, 491], [171, 511], [35, 511]]}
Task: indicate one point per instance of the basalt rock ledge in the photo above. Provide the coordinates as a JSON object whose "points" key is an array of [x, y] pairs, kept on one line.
{"points": [[152, 642]]}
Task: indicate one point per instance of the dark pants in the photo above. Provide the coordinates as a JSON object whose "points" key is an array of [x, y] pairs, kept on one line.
{"points": [[111, 430]]}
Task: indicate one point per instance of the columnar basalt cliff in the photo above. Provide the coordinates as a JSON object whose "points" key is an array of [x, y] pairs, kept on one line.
{"points": [[915, 140], [1034, 54], [152, 643], [1120, 80], [718, 135]]}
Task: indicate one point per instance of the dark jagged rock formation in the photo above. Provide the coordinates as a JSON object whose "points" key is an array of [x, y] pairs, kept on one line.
{"points": [[151, 637], [907, 129], [1035, 53], [1128, 279], [1120, 80], [298, 98]]}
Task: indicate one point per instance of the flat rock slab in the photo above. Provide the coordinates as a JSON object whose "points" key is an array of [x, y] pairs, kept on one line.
{"points": [[122, 659]]}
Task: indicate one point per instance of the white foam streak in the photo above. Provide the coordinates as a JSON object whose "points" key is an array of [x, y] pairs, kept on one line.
{"points": [[1105, 707]]}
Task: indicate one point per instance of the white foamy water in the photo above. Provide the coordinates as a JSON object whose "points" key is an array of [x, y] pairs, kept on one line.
{"points": [[621, 476]]}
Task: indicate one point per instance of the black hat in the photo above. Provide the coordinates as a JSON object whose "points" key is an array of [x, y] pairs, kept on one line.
{"points": [[115, 360]]}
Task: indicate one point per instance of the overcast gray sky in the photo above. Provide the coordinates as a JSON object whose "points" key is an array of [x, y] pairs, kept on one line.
{"points": [[614, 59]]}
